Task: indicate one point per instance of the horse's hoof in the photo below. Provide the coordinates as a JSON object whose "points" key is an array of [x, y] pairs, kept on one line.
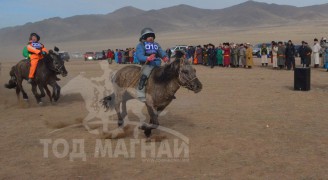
{"points": [[115, 134], [147, 132], [158, 138], [155, 138], [25, 99], [40, 103], [143, 127], [120, 123]]}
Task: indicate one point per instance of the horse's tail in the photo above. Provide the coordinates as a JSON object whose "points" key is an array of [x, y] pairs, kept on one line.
{"points": [[12, 82], [108, 102]]}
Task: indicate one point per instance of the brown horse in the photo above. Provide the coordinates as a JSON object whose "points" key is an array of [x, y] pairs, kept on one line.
{"points": [[45, 74], [162, 84]]}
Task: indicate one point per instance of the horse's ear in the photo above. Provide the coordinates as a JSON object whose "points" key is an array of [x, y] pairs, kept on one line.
{"points": [[56, 49], [182, 62], [179, 54], [175, 65]]}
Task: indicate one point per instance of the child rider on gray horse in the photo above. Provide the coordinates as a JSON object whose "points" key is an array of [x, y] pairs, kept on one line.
{"points": [[150, 54]]}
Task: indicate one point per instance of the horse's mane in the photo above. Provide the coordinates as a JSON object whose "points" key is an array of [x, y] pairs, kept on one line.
{"points": [[47, 56], [46, 59], [168, 72]]}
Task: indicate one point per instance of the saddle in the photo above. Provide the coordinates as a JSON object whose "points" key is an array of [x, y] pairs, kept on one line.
{"points": [[27, 61]]}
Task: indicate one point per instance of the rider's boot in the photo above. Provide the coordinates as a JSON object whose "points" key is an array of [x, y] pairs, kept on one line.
{"points": [[30, 80], [142, 81]]}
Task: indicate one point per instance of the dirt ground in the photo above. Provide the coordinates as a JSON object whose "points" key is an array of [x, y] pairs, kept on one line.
{"points": [[244, 124]]}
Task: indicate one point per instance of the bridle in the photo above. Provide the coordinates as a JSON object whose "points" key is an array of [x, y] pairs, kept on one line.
{"points": [[187, 83], [59, 69], [55, 68]]}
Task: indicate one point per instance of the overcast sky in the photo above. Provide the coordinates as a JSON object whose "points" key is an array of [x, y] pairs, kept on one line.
{"points": [[19, 12]]}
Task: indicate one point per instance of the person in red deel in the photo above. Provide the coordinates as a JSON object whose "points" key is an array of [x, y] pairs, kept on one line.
{"points": [[110, 56], [36, 51], [226, 55]]}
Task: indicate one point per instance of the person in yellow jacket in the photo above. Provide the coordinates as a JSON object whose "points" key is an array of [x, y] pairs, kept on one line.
{"points": [[37, 51], [249, 56]]}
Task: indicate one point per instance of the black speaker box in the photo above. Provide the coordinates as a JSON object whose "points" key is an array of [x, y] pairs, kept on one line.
{"points": [[302, 79]]}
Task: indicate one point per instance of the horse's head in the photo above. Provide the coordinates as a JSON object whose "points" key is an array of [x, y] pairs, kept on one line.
{"points": [[57, 64], [187, 75]]}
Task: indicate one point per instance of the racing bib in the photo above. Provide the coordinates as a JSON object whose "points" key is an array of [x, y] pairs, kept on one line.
{"points": [[151, 48], [36, 45]]}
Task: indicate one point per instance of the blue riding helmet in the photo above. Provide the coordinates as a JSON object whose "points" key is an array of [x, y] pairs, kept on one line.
{"points": [[36, 35]]}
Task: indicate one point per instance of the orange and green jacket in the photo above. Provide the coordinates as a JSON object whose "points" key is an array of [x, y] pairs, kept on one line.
{"points": [[35, 49]]}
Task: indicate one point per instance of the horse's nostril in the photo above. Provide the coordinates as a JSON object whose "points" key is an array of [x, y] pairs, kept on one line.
{"points": [[198, 86]]}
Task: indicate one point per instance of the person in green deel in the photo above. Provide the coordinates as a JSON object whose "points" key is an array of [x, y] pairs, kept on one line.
{"points": [[25, 53]]}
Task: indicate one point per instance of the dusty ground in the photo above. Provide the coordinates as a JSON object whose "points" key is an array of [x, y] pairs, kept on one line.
{"points": [[245, 124]]}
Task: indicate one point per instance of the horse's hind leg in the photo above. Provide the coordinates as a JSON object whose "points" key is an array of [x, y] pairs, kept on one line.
{"points": [[124, 112], [118, 101], [20, 88]]}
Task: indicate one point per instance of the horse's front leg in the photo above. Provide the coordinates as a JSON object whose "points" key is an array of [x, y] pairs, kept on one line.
{"points": [[40, 86], [56, 90], [153, 113], [37, 96], [56, 93], [48, 92]]}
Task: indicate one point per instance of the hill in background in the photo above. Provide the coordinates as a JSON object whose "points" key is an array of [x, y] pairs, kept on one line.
{"points": [[175, 22]]}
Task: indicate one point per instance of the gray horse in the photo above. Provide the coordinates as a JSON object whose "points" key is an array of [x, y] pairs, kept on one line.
{"points": [[162, 84]]}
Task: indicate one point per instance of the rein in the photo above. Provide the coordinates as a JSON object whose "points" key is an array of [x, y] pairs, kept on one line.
{"points": [[58, 69], [186, 85]]}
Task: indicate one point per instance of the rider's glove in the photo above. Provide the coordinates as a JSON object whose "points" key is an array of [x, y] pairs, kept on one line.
{"points": [[165, 59], [151, 57], [42, 53]]}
